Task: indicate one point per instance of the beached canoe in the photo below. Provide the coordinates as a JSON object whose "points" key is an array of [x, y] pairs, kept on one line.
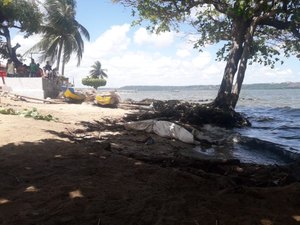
{"points": [[108, 99], [72, 95]]}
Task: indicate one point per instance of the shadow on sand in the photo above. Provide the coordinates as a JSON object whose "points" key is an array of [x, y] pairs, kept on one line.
{"points": [[107, 175]]}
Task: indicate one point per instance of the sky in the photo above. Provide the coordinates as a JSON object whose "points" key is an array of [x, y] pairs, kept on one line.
{"points": [[133, 56]]}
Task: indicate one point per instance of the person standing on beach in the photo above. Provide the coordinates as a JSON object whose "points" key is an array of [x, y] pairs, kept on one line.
{"points": [[48, 69], [33, 68], [10, 68], [39, 72]]}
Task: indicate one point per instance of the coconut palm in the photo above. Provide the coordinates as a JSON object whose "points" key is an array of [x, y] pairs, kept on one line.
{"points": [[96, 76], [97, 71], [61, 33]]}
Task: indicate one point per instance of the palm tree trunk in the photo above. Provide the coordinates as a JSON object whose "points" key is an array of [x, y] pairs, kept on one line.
{"points": [[59, 54], [63, 66]]}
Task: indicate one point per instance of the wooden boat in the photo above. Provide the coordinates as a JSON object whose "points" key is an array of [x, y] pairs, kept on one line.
{"points": [[73, 96], [107, 99]]}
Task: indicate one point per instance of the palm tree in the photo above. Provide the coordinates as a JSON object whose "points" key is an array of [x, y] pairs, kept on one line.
{"points": [[96, 76], [61, 33], [97, 71]]}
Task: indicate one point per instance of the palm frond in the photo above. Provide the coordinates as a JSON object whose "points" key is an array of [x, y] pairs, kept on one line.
{"points": [[61, 27], [84, 31], [97, 71]]}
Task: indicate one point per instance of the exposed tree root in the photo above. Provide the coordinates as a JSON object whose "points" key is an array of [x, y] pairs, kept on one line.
{"points": [[193, 113]]}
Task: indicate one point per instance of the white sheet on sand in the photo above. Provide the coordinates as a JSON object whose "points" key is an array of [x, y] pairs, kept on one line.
{"points": [[163, 129]]}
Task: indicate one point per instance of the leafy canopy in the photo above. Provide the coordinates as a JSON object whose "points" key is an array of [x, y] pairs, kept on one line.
{"points": [[63, 27], [62, 33], [21, 14], [96, 76], [277, 31], [93, 82]]}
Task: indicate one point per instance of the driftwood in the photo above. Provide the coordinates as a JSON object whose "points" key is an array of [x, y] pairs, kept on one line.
{"points": [[38, 99], [134, 106]]}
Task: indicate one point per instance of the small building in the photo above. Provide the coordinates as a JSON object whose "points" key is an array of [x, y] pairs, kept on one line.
{"points": [[34, 87]]}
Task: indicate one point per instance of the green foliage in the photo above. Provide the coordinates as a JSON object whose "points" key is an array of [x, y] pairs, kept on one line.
{"points": [[33, 113], [8, 111], [6, 2], [277, 30], [96, 78], [97, 71], [93, 82], [62, 33], [22, 14]]}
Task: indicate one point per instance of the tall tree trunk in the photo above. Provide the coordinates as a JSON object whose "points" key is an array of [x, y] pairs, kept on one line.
{"points": [[243, 63], [59, 54], [11, 51], [63, 66], [223, 99]]}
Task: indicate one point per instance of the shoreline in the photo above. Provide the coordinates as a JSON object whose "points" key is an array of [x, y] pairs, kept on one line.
{"points": [[69, 116], [86, 166]]}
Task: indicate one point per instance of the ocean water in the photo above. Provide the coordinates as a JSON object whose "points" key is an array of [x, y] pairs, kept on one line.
{"points": [[273, 138]]}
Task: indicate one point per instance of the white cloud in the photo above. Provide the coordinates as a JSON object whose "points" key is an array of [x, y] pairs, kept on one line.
{"points": [[111, 42], [264, 74], [129, 62], [26, 44], [202, 60], [183, 53], [143, 37]]}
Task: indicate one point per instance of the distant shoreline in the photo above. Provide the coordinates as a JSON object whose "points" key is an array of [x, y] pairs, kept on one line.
{"points": [[260, 86]]}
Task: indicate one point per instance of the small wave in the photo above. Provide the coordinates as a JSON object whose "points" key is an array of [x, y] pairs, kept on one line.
{"points": [[261, 127], [205, 100], [290, 137], [288, 154], [288, 110], [249, 99], [287, 127], [264, 119]]}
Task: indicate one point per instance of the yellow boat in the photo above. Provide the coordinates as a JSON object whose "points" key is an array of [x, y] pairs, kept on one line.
{"points": [[110, 99], [72, 95]]}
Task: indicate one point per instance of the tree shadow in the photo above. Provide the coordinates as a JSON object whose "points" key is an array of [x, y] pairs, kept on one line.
{"points": [[109, 175], [112, 136]]}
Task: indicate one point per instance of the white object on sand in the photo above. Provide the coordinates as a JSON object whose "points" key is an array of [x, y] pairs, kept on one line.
{"points": [[163, 129]]}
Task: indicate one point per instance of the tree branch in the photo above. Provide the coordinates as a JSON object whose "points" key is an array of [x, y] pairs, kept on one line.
{"points": [[295, 32], [18, 27], [281, 25]]}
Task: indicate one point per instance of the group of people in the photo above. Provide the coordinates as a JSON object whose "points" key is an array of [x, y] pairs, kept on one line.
{"points": [[33, 70]]}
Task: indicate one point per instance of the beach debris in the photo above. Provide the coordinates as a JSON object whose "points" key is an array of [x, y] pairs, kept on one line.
{"points": [[33, 113], [149, 141], [163, 129], [82, 137], [191, 113], [134, 105], [17, 97], [207, 134], [8, 111], [227, 172]]}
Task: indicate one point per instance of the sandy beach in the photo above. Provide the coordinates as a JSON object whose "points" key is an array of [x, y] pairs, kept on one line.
{"points": [[85, 168], [69, 115]]}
